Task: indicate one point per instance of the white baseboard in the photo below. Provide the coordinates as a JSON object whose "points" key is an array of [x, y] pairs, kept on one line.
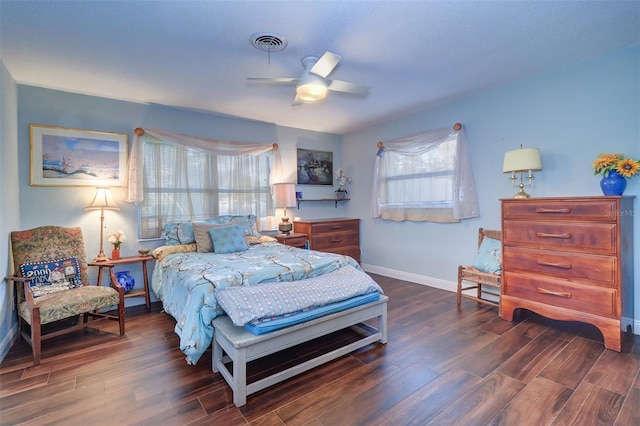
{"points": [[8, 341], [414, 278], [453, 286]]}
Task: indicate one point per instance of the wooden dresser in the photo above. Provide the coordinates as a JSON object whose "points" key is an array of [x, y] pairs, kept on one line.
{"points": [[341, 236], [570, 259]]}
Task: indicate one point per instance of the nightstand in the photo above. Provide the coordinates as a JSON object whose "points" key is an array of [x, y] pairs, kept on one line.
{"points": [[111, 264], [293, 239]]}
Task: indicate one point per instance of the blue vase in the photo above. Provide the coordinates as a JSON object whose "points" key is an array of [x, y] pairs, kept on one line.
{"points": [[126, 281], [614, 184]]}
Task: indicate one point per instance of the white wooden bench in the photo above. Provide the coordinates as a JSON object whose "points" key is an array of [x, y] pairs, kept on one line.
{"points": [[241, 346]]}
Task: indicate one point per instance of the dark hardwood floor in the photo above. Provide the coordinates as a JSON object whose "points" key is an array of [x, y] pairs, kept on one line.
{"points": [[442, 365]]}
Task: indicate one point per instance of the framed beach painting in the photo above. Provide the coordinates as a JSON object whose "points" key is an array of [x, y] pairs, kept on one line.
{"points": [[76, 157], [315, 167]]}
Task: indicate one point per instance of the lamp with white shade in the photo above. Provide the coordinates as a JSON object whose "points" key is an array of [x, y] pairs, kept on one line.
{"points": [[284, 195], [103, 200], [523, 160]]}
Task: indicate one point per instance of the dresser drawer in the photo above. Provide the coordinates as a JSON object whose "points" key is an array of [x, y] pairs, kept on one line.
{"points": [[600, 210], [334, 240], [583, 298], [591, 268], [351, 251], [333, 227], [595, 237]]}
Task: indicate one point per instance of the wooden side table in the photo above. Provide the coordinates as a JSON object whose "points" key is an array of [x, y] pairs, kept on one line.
{"points": [[293, 239], [111, 264]]}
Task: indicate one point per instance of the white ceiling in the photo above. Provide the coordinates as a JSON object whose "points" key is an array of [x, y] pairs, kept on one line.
{"points": [[197, 54]]}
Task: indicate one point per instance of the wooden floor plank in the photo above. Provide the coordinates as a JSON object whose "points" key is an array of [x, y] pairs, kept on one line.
{"points": [[571, 365], [537, 404], [443, 364], [482, 403], [615, 371], [590, 405], [533, 358], [363, 407], [423, 405], [314, 403]]}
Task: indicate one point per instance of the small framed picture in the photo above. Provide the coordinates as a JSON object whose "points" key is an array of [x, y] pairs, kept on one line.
{"points": [[315, 167], [75, 157]]}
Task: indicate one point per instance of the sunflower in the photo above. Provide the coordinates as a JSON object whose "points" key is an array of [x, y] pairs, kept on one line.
{"points": [[605, 163], [628, 167]]}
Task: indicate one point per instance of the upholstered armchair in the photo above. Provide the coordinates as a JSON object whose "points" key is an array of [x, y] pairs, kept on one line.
{"points": [[52, 284]]}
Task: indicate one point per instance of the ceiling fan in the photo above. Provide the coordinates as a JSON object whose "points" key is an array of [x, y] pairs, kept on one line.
{"points": [[313, 84]]}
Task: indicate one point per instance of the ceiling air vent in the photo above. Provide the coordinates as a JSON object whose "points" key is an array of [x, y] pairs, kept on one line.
{"points": [[268, 42]]}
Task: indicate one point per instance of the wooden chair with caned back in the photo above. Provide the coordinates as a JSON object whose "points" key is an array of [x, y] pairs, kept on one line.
{"points": [[52, 284], [485, 271]]}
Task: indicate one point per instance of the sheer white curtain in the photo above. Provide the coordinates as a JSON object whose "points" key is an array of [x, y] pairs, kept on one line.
{"points": [[175, 177], [135, 168], [425, 177]]}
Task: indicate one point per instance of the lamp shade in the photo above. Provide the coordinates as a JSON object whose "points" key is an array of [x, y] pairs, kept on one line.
{"points": [[103, 200], [522, 159], [284, 195]]}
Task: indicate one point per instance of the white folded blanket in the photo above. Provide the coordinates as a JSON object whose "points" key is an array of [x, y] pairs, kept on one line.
{"points": [[251, 302]]}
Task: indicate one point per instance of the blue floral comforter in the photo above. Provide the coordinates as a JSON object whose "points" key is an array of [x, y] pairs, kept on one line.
{"points": [[185, 282]]}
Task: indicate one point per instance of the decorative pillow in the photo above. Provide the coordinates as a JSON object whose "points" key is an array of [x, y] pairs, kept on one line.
{"points": [[489, 256], [251, 240], [203, 239], [228, 239], [176, 233], [249, 223], [52, 276], [163, 251]]}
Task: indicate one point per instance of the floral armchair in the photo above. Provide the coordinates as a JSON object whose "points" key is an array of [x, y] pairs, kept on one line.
{"points": [[53, 284]]}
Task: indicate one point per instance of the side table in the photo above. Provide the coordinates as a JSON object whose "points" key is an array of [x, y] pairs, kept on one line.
{"points": [[294, 239], [111, 264]]}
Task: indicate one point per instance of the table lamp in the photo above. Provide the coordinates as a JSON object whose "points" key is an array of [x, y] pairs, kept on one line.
{"points": [[103, 200], [284, 195], [520, 161]]}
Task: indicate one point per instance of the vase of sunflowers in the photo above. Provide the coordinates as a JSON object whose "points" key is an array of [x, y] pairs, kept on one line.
{"points": [[615, 170]]}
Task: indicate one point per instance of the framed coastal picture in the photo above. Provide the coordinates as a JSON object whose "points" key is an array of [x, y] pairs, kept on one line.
{"points": [[76, 157], [315, 167]]}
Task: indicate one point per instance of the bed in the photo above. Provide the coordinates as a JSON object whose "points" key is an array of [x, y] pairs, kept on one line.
{"points": [[186, 275]]}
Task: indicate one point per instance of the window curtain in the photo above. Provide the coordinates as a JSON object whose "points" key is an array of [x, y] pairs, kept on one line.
{"points": [[462, 203], [135, 168]]}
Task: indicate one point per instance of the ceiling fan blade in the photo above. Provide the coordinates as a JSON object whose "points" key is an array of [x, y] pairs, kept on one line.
{"points": [[345, 86], [275, 79], [325, 64]]}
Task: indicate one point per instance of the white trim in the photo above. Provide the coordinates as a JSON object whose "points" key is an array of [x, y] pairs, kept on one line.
{"points": [[414, 278], [8, 341]]}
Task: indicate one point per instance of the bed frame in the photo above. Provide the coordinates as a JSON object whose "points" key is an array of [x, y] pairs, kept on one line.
{"points": [[241, 346]]}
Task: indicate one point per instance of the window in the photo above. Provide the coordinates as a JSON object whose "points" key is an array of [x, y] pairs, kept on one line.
{"points": [[186, 184], [426, 177]]}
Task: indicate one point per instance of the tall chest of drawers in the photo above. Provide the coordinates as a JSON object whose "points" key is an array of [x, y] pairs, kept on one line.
{"points": [[570, 259], [341, 236]]}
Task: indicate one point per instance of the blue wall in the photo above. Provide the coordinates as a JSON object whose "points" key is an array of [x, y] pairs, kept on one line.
{"points": [[572, 115], [9, 211]]}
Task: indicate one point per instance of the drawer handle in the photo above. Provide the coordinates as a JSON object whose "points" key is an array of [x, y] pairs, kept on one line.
{"points": [[545, 235], [557, 265], [333, 227], [543, 210], [554, 293], [336, 240]]}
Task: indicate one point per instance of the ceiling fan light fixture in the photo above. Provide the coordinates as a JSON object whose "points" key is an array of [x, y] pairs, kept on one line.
{"points": [[311, 88]]}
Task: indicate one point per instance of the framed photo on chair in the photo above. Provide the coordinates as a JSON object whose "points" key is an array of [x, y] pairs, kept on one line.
{"points": [[75, 157]]}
